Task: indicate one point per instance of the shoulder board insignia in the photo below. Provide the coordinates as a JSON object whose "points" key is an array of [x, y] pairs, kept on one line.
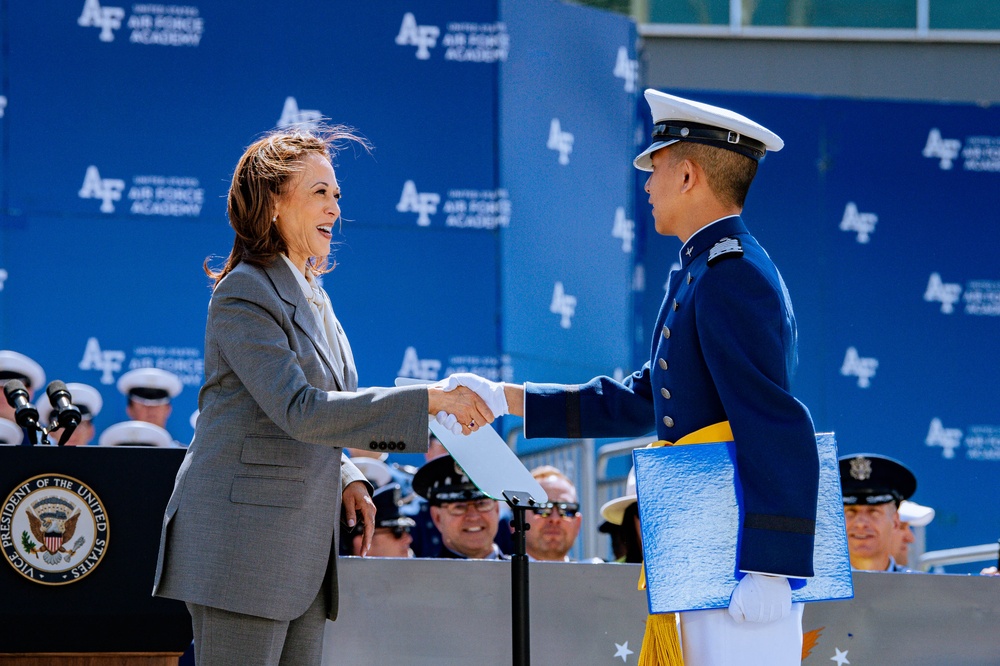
{"points": [[725, 248]]}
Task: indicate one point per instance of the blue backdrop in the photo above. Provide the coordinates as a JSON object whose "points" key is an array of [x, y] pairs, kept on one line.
{"points": [[498, 225]]}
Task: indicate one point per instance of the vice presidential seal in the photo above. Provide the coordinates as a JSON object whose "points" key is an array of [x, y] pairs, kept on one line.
{"points": [[53, 529]]}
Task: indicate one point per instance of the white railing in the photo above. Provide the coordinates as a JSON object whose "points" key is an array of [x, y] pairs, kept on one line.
{"points": [[987, 552]]}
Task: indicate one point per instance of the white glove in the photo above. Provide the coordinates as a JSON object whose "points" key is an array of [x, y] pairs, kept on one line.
{"points": [[449, 421], [761, 598], [491, 392]]}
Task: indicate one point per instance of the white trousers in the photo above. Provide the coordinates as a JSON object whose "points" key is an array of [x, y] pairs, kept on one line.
{"points": [[713, 638]]}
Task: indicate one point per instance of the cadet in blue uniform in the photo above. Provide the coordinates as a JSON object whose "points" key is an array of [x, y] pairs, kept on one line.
{"points": [[724, 349]]}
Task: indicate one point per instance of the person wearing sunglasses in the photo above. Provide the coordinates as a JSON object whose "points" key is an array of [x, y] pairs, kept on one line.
{"points": [[555, 525], [465, 516], [392, 531]]}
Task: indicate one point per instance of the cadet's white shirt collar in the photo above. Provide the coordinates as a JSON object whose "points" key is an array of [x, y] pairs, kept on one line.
{"points": [[680, 253]]}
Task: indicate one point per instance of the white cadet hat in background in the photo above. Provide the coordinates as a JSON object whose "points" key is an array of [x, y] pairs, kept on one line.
{"points": [[150, 386], [614, 510], [678, 119], [917, 515], [374, 470], [10, 433], [85, 397], [136, 433], [14, 365]]}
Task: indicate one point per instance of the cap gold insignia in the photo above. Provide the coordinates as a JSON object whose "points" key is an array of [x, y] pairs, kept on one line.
{"points": [[861, 468]]}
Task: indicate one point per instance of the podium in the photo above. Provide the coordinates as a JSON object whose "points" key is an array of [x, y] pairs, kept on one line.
{"points": [[79, 531]]}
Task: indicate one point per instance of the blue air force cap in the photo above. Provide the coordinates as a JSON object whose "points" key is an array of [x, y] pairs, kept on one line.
{"points": [[678, 119], [868, 478], [442, 480], [388, 499]]}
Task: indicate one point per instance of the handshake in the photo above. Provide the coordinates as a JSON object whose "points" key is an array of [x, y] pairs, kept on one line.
{"points": [[477, 402]]}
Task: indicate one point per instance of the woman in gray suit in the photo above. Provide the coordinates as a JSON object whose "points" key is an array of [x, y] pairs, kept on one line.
{"points": [[250, 534]]}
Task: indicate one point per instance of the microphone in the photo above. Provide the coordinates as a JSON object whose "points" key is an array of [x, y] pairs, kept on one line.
{"points": [[24, 412], [66, 415]]}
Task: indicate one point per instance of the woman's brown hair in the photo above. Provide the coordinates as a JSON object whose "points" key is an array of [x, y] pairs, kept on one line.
{"points": [[261, 176]]}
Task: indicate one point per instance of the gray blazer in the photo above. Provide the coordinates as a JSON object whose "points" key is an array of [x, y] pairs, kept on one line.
{"points": [[253, 523]]}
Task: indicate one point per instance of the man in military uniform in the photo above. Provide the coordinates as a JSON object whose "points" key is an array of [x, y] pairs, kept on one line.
{"points": [[89, 401], [14, 365], [149, 392], [553, 526], [911, 515], [873, 487], [466, 518], [725, 350]]}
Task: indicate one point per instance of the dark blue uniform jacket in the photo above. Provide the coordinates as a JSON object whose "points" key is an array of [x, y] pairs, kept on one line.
{"points": [[724, 349]]}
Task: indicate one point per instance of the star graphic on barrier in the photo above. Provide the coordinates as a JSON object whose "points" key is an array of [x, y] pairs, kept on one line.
{"points": [[840, 657], [623, 651]]}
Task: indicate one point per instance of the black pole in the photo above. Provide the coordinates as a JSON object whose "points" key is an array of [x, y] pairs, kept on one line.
{"points": [[520, 615]]}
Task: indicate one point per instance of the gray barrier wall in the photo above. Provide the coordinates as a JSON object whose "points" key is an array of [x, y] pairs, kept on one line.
{"points": [[451, 613]]}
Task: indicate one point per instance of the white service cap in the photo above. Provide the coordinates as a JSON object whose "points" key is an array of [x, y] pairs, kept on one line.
{"points": [[150, 386], [14, 365], [84, 396], [678, 119], [917, 515], [136, 433]]}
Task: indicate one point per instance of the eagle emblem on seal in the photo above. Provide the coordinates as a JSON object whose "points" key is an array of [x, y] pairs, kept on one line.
{"points": [[52, 521]]}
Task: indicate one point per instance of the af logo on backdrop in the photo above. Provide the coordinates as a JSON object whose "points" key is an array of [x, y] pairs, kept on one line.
{"points": [[292, 115], [108, 19], [3, 105], [424, 37], [105, 189], [982, 442], [863, 224], [624, 229], [855, 365], [53, 529], [563, 305], [978, 153], [560, 141], [106, 361], [424, 204], [948, 439], [945, 293], [167, 196], [981, 297], [463, 41], [627, 69], [155, 24], [418, 368]]}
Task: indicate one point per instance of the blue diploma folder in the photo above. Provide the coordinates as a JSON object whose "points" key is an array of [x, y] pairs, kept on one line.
{"points": [[690, 519]]}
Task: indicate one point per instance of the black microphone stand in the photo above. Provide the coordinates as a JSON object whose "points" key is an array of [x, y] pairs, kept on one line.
{"points": [[519, 502]]}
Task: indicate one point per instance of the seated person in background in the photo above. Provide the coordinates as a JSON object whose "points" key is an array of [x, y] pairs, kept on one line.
{"points": [[911, 515], [555, 526], [88, 400], [466, 518], [392, 531], [426, 537], [624, 512], [14, 365], [873, 487], [149, 392], [136, 433]]}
